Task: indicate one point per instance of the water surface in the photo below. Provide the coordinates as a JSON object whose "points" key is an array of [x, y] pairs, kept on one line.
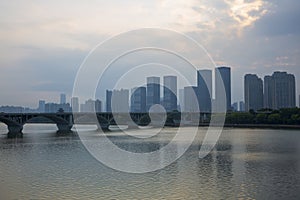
{"points": [[246, 164]]}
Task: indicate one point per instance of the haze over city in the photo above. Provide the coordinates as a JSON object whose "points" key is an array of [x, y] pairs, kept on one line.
{"points": [[44, 43]]}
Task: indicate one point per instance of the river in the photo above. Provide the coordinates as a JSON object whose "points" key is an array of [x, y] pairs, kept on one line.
{"points": [[245, 164]]}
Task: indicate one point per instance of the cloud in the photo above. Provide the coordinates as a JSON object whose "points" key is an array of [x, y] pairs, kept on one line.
{"points": [[282, 20]]}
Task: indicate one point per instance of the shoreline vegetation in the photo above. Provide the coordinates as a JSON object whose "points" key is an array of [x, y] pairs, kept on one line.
{"points": [[285, 118]]}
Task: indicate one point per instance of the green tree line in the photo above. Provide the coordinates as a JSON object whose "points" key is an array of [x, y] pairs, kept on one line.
{"points": [[288, 116]]}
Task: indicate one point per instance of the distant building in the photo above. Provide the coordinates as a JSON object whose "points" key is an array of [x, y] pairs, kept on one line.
{"points": [[253, 92], [235, 106], [190, 99], [89, 106], [181, 100], [153, 91], [11, 109], [223, 80], [280, 91], [138, 99], [170, 93], [120, 101], [63, 98], [75, 104], [55, 107], [108, 100], [41, 107], [98, 105], [242, 106], [204, 84]]}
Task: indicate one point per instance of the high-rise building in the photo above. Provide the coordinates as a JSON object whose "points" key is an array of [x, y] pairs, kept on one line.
{"points": [[280, 91], [204, 83], [63, 98], [235, 106], [242, 106], [120, 101], [108, 100], [41, 107], [181, 100], [253, 92], [89, 106], [138, 99], [153, 91], [191, 99], [75, 104], [170, 93], [98, 106], [223, 80]]}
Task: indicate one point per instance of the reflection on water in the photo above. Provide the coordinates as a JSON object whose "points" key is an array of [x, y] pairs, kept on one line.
{"points": [[246, 164]]}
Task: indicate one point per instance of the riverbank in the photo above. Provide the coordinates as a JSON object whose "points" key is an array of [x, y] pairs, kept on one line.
{"points": [[262, 126]]}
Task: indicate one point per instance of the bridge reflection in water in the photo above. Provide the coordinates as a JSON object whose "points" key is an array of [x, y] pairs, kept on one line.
{"points": [[65, 121]]}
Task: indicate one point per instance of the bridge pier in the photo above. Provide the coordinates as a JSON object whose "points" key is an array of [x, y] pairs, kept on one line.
{"points": [[103, 126], [15, 128], [14, 131], [64, 128]]}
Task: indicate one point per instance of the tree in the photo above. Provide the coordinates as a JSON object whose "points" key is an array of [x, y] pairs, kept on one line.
{"points": [[274, 118]]}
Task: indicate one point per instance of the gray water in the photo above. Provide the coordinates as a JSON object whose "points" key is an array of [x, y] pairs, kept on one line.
{"points": [[246, 164]]}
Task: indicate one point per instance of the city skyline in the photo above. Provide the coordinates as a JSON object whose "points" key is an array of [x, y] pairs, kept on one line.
{"points": [[275, 92]]}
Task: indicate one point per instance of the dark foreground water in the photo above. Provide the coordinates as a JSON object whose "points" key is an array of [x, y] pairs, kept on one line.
{"points": [[246, 164]]}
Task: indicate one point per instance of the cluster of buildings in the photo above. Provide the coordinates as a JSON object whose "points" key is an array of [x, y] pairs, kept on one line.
{"points": [[191, 98], [142, 98], [274, 92]]}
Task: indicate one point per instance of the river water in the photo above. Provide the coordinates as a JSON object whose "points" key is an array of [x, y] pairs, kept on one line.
{"points": [[245, 164]]}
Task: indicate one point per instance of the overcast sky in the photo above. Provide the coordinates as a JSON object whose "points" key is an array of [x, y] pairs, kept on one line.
{"points": [[43, 43]]}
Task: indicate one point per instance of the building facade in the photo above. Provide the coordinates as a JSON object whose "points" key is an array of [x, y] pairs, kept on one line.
{"points": [[190, 99], [223, 80], [170, 93], [138, 99], [204, 84], [253, 92], [153, 92], [280, 91], [75, 104]]}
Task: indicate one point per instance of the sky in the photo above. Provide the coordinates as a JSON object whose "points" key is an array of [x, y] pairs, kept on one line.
{"points": [[43, 43]]}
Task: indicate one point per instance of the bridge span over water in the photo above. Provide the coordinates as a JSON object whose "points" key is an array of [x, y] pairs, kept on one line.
{"points": [[65, 121]]}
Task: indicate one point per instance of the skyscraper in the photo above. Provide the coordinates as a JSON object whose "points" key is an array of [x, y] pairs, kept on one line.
{"points": [[242, 106], [98, 105], [108, 100], [170, 93], [280, 90], [63, 98], [223, 78], [75, 104], [190, 99], [41, 108], [253, 92], [181, 100], [120, 101], [138, 99], [204, 83], [153, 91]]}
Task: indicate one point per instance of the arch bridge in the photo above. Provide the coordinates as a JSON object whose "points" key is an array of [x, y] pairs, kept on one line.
{"points": [[65, 121]]}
